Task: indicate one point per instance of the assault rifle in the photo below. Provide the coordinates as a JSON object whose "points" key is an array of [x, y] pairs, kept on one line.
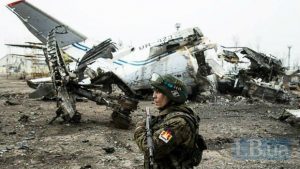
{"points": [[149, 137]]}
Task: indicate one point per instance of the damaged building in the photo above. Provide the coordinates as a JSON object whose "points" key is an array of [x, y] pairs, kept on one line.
{"points": [[23, 64]]}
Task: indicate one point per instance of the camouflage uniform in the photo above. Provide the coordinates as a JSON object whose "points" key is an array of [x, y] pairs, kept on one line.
{"points": [[172, 138]]}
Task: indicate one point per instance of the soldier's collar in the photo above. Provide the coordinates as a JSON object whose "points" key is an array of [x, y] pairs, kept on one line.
{"points": [[163, 113], [166, 110]]}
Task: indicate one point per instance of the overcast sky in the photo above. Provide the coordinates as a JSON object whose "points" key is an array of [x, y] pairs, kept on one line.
{"points": [[265, 25]]}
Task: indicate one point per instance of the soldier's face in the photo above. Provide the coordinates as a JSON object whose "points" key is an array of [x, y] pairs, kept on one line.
{"points": [[160, 100]]}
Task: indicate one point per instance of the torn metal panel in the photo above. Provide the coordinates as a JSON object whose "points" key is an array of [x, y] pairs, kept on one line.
{"points": [[102, 50], [44, 90], [291, 116], [296, 112], [257, 79], [216, 68], [231, 86], [230, 56], [263, 66], [266, 92], [107, 79]]}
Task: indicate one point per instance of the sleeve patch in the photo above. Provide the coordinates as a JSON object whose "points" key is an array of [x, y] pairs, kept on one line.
{"points": [[165, 136]]}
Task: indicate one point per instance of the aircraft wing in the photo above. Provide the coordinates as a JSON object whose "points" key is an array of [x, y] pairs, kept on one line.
{"points": [[40, 23]]}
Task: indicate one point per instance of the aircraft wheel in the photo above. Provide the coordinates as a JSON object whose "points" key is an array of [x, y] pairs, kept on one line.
{"points": [[121, 120]]}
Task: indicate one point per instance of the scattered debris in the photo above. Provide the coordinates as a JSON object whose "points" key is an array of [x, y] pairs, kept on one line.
{"points": [[12, 132], [292, 117], [24, 118], [86, 166], [85, 141], [23, 145], [109, 150], [12, 102], [218, 143], [30, 136], [3, 151], [265, 92]]}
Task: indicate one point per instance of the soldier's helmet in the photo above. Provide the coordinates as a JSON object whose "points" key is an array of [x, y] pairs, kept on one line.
{"points": [[170, 86]]}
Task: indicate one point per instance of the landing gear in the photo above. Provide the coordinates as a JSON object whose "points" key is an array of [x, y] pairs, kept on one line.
{"points": [[121, 113]]}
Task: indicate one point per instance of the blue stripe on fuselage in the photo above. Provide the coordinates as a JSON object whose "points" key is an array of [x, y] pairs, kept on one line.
{"points": [[80, 46], [143, 62], [83, 46]]}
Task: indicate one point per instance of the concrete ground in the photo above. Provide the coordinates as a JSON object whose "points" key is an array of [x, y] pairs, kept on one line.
{"points": [[28, 141]]}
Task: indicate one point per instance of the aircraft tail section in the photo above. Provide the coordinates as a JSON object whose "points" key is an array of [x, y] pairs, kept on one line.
{"points": [[40, 24]]}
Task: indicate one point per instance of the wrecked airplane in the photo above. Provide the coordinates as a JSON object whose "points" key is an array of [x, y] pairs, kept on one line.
{"points": [[103, 65], [187, 54]]}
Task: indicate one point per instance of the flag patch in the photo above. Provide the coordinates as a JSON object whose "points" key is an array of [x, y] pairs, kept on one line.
{"points": [[165, 136]]}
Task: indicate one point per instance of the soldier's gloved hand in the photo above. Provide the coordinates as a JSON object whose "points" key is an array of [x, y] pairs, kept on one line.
{"points": [[140, 127]]}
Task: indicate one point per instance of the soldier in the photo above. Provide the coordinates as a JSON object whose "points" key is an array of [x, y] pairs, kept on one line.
{"points": [[173, 130]]}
